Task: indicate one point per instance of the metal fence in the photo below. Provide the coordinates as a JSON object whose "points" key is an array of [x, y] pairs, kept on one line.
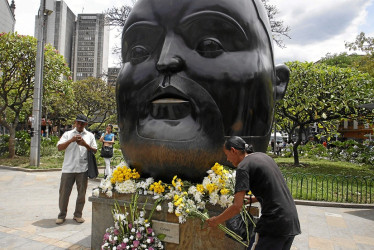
{"points": [[333, 188]]}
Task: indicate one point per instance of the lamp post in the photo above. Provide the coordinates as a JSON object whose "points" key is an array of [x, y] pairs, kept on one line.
{"points": [[38, 87]]}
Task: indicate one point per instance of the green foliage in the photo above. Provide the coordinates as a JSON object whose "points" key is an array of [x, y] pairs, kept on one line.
{"points": [[48, 147], [342, 60], [17, 66], [96, 99], [366, 45], [22, 146], [321, 93], [348, 151]]}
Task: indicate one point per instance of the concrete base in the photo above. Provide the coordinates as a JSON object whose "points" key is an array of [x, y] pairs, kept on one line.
{"points": [[191, 236]]}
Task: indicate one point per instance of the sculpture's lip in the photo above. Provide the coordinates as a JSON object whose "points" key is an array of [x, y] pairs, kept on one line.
{"points": [[168, 114], [169, 100]]}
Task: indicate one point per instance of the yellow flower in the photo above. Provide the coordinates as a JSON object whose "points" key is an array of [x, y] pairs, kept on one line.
{"points": [[173, 181], [178, 202], [176, 197], [200, 188], [224, 191], [211, 187], [157, 187], [249, 192]]}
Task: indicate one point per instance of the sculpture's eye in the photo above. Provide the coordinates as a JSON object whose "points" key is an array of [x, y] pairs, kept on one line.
{"points": [[138, 54], [210, 48]]}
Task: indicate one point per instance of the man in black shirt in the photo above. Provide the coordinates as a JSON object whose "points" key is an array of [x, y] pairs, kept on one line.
{"points": [[258, 173]]}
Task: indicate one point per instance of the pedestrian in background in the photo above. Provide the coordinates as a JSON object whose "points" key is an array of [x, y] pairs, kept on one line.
{"points": [[107, 139], [75, 142]]}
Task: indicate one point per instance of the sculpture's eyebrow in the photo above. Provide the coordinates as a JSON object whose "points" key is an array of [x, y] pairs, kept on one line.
{"points": [[220, 15], [139, 24]]}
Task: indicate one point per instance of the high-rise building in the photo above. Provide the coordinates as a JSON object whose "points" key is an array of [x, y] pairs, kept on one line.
{"points": [[7, 17], [112, 76], [90, 46], [60, 28]]}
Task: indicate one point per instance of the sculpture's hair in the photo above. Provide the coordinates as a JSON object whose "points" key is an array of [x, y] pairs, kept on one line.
{"points": [[239, 144]]}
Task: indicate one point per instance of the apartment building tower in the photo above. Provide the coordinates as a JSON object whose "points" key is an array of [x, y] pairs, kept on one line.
{"points": [[60, 28], [7, 17], [90, 46]]}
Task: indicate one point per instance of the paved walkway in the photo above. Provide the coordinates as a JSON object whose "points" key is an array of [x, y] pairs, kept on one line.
{"points": [[29, 207]]}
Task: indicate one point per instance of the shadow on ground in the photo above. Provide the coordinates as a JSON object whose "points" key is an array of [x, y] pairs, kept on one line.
{"points": [[364, 213], [51, 223]]}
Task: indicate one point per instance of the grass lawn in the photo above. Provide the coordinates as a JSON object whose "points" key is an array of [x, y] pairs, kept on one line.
{"points": [[324, 167]]}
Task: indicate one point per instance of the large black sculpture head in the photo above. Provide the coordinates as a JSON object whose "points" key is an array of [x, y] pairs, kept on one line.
{"points": [[195, 71]]}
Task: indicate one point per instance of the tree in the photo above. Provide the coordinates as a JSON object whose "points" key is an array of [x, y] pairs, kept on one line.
{"points": [[318, 93], [93, 98], [116, 17], [342, 60], [366, 45], [277, 27], [17, 72]]}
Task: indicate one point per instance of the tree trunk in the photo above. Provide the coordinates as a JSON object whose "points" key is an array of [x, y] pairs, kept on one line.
{"points": [[296, 145], [12, 142]]}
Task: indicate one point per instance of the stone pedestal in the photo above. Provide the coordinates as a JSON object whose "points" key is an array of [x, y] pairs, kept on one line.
{"points": [[191, 236]]}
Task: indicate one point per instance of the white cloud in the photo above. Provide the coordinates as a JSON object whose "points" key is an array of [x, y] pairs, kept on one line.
{"points": [[320, 27], [317, 27]]}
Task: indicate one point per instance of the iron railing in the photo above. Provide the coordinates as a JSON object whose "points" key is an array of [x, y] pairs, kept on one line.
{"points": [[116, 160], [333, 188]]}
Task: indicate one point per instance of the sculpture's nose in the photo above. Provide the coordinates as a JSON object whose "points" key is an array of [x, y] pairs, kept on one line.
{"points": [[170, 61]]}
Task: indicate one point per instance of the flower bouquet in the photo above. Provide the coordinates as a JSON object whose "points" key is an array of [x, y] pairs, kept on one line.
{"points": [[184, 198], [131, 229]]}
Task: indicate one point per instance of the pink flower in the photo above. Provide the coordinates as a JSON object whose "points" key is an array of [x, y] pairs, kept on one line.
{"points": [[151, 248], [151, 239], [136, 243], [138, 235], [149, 230], [106, 236], [130, 226], [116, 232]]}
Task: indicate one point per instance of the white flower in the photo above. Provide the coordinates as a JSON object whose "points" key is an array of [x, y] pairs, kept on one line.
{"points": [[158, 208], [144, 246], [324, 116], [126, 187], [170, 207], [109, 193], [96, 192], [148, 240], [213, 198], [133, 231], [125, 240], [132, 237], [141, 213], [114, 248], [181, 219]]}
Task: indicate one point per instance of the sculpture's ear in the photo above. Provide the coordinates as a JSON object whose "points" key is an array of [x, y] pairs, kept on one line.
{"points": [[283, 77]]}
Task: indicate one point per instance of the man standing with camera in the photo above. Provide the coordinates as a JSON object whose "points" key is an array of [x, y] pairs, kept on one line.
{"points": [[75, 142]]}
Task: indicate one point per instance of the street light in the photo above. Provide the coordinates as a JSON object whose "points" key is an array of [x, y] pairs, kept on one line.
{"points": [[38, 87]]}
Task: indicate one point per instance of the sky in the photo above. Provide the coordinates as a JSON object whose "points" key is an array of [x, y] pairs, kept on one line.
{"points": [[317, 27]]}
